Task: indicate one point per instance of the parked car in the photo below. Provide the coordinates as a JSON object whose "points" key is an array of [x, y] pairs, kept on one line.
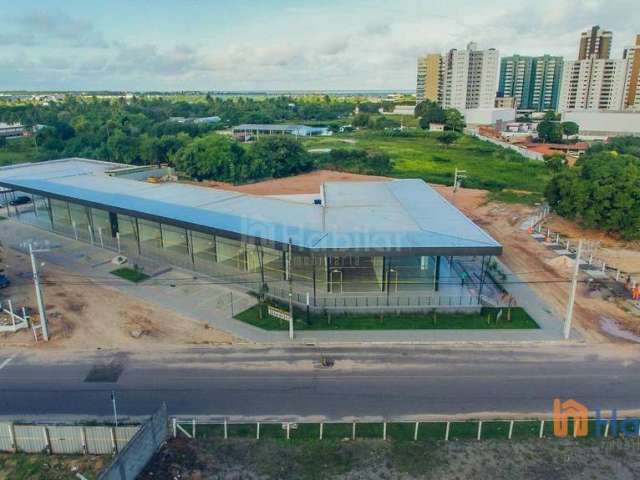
{"points": [[21, 200], [4, 281]]}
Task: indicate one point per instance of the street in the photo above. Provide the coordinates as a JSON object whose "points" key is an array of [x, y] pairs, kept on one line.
{"points": [[377, 382]]}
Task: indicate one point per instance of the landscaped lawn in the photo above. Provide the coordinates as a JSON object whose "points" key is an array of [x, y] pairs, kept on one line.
{"points": [[130, 274], [422, 156], [372, 321]]}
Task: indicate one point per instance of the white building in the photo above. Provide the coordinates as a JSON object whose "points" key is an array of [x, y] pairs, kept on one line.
{"points": [[593, 84], [470, 78], [596, 125], [488, 116]]}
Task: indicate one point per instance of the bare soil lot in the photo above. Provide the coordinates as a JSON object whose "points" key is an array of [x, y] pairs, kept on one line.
{"points": [[83, 315], [378, 460]]}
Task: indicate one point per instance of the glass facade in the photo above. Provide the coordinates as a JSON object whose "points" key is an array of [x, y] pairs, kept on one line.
{"points": [[236, 260]]}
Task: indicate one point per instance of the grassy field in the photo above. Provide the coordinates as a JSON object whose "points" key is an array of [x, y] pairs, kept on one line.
{"points": [[440, 321], [22, 466], [18, 150], [422, 156]]}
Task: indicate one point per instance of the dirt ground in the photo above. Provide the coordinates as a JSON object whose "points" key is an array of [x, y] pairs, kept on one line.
{"points": [[533, 262], [82, 315], [379, 460], [616, 252], [305, 183], [24, 466]]}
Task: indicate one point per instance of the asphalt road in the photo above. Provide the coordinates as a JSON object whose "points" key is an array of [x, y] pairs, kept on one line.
{"points": [[390, 383]]}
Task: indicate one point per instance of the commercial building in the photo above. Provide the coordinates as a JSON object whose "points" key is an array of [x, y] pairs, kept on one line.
{"points": [[356, 245], [462, 79], [595, 43], [249, 130], [534, 82], [600, 125], [11, 129]]}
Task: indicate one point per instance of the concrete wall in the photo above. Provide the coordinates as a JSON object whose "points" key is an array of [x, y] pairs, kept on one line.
{"points": [[604, 123], [488, 116]]}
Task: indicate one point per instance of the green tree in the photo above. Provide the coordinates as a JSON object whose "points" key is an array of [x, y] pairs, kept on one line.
{"points": [[555, 162], [454, 120], [550, 131], [430, 112], [570, 128], [447, 138], [361, 120], [3, 142], [212, 157], [278, 156]]}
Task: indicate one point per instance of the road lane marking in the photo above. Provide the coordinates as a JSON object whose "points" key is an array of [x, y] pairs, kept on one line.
{"points": [[5, 363]]}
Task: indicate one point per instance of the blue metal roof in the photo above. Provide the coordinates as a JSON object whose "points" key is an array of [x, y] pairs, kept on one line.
{"points": [[381, 215]]}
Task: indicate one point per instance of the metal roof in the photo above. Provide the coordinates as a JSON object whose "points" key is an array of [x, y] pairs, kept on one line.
{"points": [[390, 216]]}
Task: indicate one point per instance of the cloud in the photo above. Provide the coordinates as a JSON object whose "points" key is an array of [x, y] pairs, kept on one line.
{"points": [[39, 27]]}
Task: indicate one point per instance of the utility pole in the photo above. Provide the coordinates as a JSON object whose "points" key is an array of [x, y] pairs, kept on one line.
{"points": [[39, 298], [115, 412], [290, 279], [458, 176], [572, 295]]}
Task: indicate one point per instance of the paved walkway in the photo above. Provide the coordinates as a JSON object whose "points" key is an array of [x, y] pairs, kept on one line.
{"points": [[207, 300]]}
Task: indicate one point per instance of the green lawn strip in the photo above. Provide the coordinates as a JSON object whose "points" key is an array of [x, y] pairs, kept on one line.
{"points": [[401, 431], [135, 276], [273, 430], [463, 430], [206, 431], [526, 429], [431, 431], [337, 431], [486, 320], [369, 430], [509, 196], [495, 430], [304, 431], [241, 430]]}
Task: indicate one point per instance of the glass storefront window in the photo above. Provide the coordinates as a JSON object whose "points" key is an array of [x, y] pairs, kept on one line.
{"points": [[150, 234], [231, 253], [175, 239], [60, 213], [204, 247]]}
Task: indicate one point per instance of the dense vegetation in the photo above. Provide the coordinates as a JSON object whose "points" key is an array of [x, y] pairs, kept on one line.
{"points": [[603, 189], [139, 130]]}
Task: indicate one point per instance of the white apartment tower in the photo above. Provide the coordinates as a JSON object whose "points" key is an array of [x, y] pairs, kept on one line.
{"points": [[470, 78], [463, 78]]}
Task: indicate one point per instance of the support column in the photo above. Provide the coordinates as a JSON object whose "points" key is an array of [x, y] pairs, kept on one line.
{"points": [[437, 283], [313, 259]]}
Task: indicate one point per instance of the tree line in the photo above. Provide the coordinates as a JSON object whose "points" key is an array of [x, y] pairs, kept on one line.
{"points": [[603, 189]]}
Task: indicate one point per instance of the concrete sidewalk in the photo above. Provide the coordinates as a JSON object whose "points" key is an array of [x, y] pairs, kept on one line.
{"points": [[205, 299]]}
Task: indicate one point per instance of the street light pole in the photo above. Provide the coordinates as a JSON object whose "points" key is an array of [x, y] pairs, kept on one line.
{"points": [[39, 297], [572, 295]]}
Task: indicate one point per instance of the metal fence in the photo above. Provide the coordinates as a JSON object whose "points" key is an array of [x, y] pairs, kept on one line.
{"points": [[436, 430], [63, 439], [132, 459]]}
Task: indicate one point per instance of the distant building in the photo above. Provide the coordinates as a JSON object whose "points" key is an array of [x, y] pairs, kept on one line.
{"points": [[248, 130], [429, 79], [11, 130], [488, 116], [632, 85], [505, 102], [534, 82], [196, 120], [595, 43], [436, 127], [461, 79]]}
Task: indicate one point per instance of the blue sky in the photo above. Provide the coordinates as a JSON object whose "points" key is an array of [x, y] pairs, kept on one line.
{"points": [[275, 44]]}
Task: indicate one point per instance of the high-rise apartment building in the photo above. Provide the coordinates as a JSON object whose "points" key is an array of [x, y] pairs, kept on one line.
{"points": [[593, 84], [534, 82], [464, 78], [429, 81], [597, 82], [595, 43], [632, 85]]}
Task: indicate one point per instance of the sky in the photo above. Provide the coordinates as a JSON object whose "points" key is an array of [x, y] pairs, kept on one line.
{"points": [[138, 45]]}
